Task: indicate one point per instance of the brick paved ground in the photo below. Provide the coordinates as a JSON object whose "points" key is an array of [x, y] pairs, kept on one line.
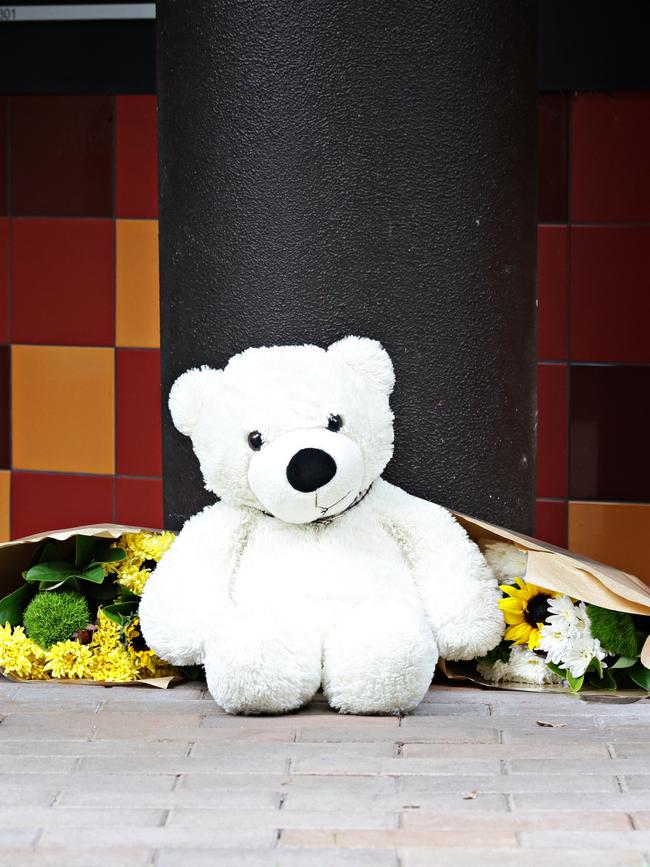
{"points": [[121, 777]]}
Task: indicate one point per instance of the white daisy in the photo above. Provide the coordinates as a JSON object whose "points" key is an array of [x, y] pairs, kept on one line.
{"points": [[580, 652]]}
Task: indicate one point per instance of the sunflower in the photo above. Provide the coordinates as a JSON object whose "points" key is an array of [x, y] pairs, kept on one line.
{"points": [[525, 608]]}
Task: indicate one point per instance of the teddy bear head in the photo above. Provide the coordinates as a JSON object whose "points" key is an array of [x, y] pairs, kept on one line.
{"points": [[298, 432]]}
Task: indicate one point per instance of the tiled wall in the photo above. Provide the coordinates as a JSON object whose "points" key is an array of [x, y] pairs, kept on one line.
{"points": [[79, 333], [79, 318], [594, 326]]}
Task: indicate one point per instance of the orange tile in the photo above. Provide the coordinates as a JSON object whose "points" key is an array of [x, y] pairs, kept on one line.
{"points": [[137, 285], [613, 533], [63, 408], [5, 504]]}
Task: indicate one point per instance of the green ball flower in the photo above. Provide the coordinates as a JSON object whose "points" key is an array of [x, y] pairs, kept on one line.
{"points": [[614, 629], [52, 616]]}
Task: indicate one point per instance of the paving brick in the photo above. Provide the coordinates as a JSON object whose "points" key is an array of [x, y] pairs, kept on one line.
{"points": [[363, 801], [304, 749], [515, 858], [335, 764], [303, 720], [433, 708], [581, 766], [511, 783], [223, 799], [273, 858], [15, 796], [37, 764], [18, 836], [401, 837], [224, 764], [302, 819], [576, 839], [639, 783], [115, 748], [555, 800], [521, 820], [72, 817], [623, 750], [505, 752], [156, 838], [231, 782], [56, 856], [106, 782]]}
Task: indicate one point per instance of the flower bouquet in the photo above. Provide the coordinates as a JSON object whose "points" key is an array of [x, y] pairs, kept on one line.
{"points": [[552, 638], [74, 615], [571, 624]]}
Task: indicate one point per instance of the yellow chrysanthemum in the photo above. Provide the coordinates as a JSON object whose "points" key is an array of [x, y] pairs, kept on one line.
{"points": [[145, 660], [19, 655], [138, 548], [524, 609], [68, 659]]}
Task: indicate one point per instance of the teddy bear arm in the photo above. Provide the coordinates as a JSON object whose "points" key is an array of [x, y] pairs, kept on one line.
{"points": [[187, 594], [456, 586]]}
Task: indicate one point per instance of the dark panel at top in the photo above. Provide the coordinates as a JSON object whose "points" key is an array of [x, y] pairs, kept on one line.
{"points": [[78, 57], [582, 45], [593, 45]]}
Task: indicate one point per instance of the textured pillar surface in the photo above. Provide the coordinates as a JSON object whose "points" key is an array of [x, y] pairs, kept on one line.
{"points": [[366, 168]]}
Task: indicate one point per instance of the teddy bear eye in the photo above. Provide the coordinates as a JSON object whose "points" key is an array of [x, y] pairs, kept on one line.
{"points": [[255, 440], [334, 423]]}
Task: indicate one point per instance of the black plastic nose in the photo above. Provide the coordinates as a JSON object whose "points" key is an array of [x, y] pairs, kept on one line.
{"points": [[310, 469]]}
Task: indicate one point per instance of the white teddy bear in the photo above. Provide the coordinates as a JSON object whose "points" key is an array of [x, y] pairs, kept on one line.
{"points": [[311, 569]]}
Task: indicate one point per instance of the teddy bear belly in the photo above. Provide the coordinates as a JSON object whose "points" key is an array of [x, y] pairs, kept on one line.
{"points": [[291, 569]]}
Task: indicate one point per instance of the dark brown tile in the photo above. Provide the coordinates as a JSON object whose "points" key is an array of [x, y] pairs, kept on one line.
{"points": [[4, 185], [552, 202], [610, 433], [610, 294], [610, 180], [552, 292], [552, 430], [62, 155]]}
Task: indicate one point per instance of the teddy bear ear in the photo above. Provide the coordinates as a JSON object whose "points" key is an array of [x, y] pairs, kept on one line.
{"points": [[188, 395], [369, 359]]}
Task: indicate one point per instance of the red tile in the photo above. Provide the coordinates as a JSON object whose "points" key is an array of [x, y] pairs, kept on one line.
{"points": [[4, 200], [136, 157], [552, 164], [62, 155], [139, 448], [4, 280], [610, 180], [46, 501], [610, 432], [551, 519], [610, 301], [139, 502], [552, 292], [63, 282], [552, 430]]}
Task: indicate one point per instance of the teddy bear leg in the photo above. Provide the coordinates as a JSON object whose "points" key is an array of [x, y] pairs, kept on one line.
{"points": [[262, 662], [379, 658]]}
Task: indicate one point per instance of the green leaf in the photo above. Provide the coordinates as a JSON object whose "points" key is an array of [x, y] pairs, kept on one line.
{"points": [[13, 605], [605, 682], [95, 574], [84, 550], [575, 682], [595, 665], [121, 612], [640, 675], [556, 670], [50, 573], [625, 662], [106, 554]]}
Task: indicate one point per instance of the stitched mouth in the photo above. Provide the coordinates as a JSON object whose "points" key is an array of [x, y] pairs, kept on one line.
{"points": [[325, 509]]}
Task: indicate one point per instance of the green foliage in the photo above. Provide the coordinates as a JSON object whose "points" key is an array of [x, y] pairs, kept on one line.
{"points": [[614, 629], [500, 653], [13, 605], [55, 616], [52, 572], [640, 675]]}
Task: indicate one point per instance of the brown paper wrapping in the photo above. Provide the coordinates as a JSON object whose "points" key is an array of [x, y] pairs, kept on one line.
{"points": [[15, 557], [550, 567]]}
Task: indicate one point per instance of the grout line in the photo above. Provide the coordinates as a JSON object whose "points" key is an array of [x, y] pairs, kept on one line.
{"points": [[21, 471]]}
